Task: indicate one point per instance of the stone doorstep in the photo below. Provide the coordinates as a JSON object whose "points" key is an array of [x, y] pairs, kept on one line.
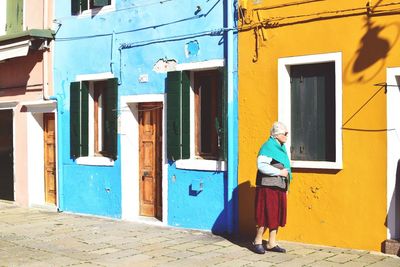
{"points": [[391, 246]]}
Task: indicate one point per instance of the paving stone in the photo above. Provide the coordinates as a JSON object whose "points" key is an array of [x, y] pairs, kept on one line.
{"points": [[105, 251], [161, 252], [319, 255], [369, 258], [263, 264], [280, 257], [342, 258], [324, 263], [302, 251], [298, 261], [234, 263], [185, 246], [205, 248], [257, 257], [387, 262], [355, 264], [223, 243], [181, 254]]}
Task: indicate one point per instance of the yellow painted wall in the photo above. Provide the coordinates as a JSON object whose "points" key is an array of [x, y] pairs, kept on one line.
{"points": [[344, 208]]}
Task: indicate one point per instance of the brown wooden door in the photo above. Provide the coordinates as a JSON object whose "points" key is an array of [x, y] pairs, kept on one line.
{"points": [[150, 174], [49, 158]]}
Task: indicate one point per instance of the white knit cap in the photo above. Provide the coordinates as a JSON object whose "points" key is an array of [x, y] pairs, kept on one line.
{"points": [[278, 128]]}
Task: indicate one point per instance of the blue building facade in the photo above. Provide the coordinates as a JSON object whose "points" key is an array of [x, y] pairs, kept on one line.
{"points": [[147, 110]]}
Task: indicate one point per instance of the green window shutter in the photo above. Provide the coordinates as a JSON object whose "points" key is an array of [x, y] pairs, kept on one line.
{"points": [[84, 118], [75, 6], [313, 112], [101, 3], [84, 5], [185, 113], [178, 115], [75, 120], [111, 120], [222, 116], [14, 16], [78, 119]]}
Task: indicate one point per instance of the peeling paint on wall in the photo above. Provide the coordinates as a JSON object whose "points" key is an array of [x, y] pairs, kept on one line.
{"points": [[192, 48], [165, 65]]}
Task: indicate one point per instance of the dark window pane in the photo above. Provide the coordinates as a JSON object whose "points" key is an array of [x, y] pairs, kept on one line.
{"points": [[99, 3], [207, 85], [313, 112]]}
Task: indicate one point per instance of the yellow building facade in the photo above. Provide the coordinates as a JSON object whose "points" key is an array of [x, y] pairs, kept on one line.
{"points": [[344, 143]]}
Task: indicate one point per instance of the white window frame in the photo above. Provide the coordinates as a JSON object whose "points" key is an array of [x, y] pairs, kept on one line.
{"points": [[93, 159], [194, 162], [284, 104], [393, 149], [98, 10]]}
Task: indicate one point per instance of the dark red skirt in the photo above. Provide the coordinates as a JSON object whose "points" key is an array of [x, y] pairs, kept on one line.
{"points": [[270, 207]]}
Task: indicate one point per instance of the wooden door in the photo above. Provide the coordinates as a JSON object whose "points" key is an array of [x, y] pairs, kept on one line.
{"points": [[150, 173], [49, 159], [6, 155]]}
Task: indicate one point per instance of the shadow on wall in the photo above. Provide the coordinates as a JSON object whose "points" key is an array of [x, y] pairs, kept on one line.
{"points": [[16, 74], [246, 207], [247, 224], [394, 206], [370, 57]]}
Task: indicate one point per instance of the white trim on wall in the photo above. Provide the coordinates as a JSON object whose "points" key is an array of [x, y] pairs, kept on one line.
{"points": [[94, 76], [35, 162], [202, 65], [129, 136], [393, 151], [35, 150], [284, 103]]}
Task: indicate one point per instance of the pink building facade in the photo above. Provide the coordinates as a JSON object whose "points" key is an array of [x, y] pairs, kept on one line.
{"points": [[27, 115]]}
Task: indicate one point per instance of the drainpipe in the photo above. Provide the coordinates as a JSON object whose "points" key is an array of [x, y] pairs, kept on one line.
{"points": [[59, 101], [232, 140]]}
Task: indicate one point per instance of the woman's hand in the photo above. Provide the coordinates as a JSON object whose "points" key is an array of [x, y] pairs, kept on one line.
{"points": [[284, 173]]}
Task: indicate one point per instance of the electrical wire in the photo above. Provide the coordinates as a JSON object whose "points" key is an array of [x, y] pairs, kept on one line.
{"points": [[174, 38], [271, 21]]}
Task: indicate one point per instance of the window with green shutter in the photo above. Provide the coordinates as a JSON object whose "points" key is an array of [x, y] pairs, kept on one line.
{"points": [[313, 112], [79, 6], [93, 118], [208, 136]]}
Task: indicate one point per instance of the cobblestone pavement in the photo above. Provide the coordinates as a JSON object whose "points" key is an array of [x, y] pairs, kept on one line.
{"points": [[36, 237]]}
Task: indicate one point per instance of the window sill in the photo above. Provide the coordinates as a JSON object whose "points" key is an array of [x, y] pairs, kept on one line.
{"points": [[316, 165], [201, 164], [95, 161]]}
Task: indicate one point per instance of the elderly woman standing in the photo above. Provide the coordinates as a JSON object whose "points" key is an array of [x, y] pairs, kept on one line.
{"points": [[273, 178]]}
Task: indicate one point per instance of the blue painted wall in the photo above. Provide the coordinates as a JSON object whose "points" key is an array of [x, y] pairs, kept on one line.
{"points": [[128, 42]]}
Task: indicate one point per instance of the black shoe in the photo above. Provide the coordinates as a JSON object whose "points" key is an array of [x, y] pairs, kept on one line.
{"points": [[259, 248], [277, 249]]}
